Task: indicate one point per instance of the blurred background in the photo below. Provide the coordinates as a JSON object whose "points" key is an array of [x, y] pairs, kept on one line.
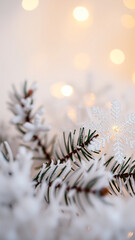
{"points": [[80, 52]]}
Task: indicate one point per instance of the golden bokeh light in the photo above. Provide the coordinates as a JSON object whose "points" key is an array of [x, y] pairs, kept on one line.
{"points": [[60, 90], [30, 5], [82, 61], [115, 129], [67, 90], [56, 89], [130, 234], [89, 99], [81, 14], [108, 104], [72, 114], [128, 21], [133, 77], [129, 4], [88, 228], [117, 56]]}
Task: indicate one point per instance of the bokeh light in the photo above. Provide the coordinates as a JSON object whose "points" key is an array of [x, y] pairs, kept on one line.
{"points": [[117, 56], [80, 14], [72, 114], [128, 21], [56, 89], [67, 90], [115, 129], [60, 90], [82, 61], [130, 234], [30, 5], [129, 4], [108, 104], [89, 99], [133, 77]]}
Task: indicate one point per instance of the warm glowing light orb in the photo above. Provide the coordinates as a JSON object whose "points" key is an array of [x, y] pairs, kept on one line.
{"points": [[115, 129], [108, 104], [60, 90], [82, 61], [88, 228], [89, 99], [67, 90], [55, 89], [128, 21], [133, 77], [129, 4], [130, 234], [81, 14], [30, 5], [117, 56], [72, 114]]}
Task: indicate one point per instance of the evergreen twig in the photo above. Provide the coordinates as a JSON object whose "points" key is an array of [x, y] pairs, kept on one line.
{"points": [[74, 149], [123, 175]]}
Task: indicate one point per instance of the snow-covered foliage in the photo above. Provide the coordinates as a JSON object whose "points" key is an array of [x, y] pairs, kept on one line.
{"points": [[114, 128], [30, 123], [25, 215], [81, 183], [73, 194]]}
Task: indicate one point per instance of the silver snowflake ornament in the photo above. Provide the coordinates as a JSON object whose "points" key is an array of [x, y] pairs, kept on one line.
{"points": [[113, 127]]}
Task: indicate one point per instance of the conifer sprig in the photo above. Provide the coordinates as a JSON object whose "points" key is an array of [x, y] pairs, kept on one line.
{"points": [[83, 182], [123, 176], [76, 148], [22, 105]]}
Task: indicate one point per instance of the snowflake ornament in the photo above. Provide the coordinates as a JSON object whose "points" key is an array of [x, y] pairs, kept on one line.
{"points": [[115, 128]]}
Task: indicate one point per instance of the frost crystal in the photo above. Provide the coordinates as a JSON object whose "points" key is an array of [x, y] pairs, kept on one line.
{"points": [[34, 128], [114, 128]]}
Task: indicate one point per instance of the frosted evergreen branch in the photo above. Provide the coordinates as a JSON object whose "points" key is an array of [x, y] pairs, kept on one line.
{"points": [[86, 190], [89, 178], [47, 154], [123, 176], [73, 149], [28, 123]]}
